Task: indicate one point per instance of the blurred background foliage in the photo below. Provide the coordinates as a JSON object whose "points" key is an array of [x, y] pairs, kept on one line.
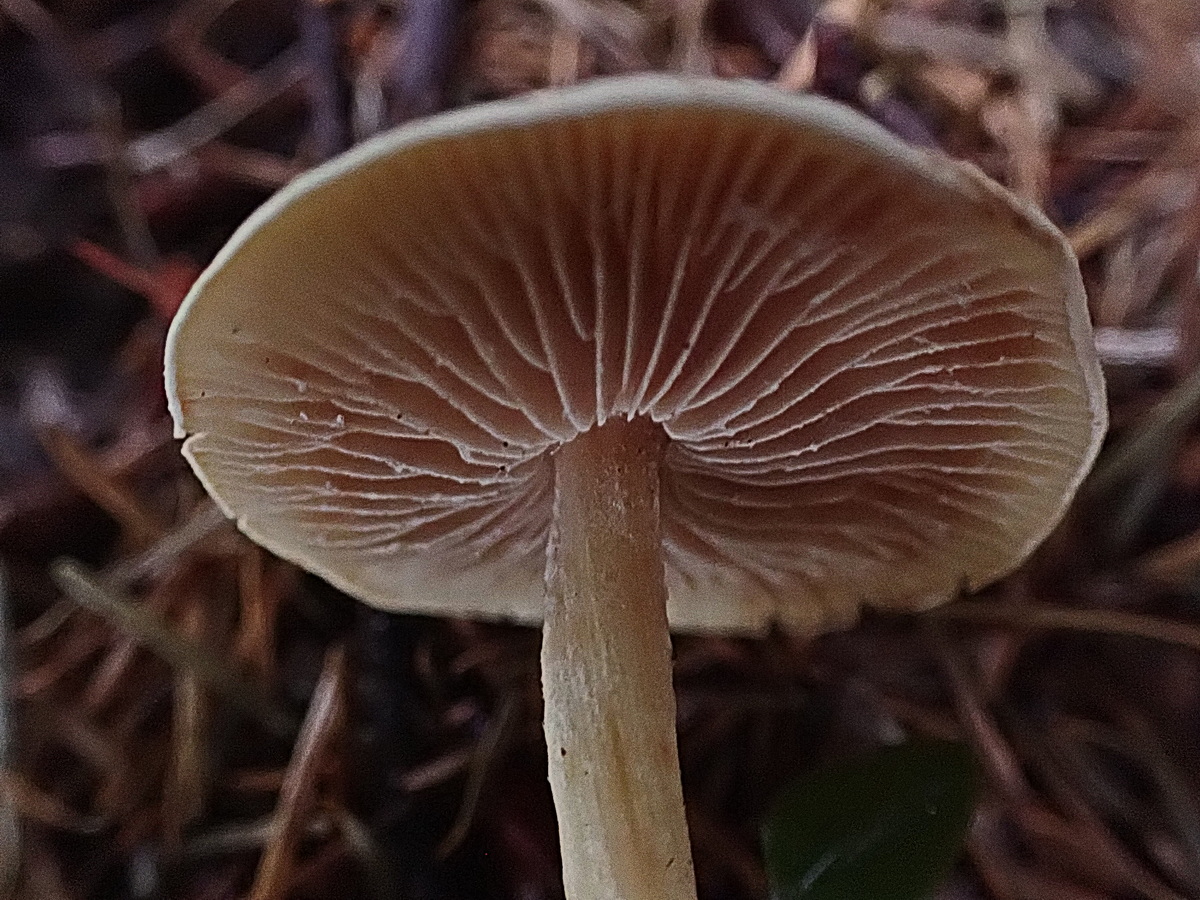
{"points": [[187, 717]]}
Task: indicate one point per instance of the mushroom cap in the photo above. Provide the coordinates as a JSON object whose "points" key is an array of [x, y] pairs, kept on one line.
{"points": [[873, 365]]}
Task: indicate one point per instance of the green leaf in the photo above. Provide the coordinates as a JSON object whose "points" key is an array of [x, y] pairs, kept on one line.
{"points": [[887, 826]]}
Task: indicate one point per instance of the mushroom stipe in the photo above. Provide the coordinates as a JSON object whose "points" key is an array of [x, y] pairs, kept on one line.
{"points": [[641, 353]]}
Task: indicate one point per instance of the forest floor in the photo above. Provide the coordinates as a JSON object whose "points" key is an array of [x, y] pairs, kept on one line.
{"points": [[188, 717]]}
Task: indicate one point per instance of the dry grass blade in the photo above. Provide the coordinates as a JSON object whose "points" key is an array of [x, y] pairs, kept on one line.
{"points": [[256, 638], [321, 728], [1175, 564], [689, 53], [566, 45], [243, 837], [800, 68], [997, 756], [1137, 744], [357, 835], [1006, 869], [482, 761], [901, 32], [241, 165], [86, 472], [987, 851], [613, 27], [1151, 440], [437, 771], [204, 522], [100, 107], [36, 806], [187, 777], [79, 645], [1072, 844], [418, 70], [185, 655], [169, 145], [1149, 347], [1040, 616], [1078, 787], [45, 626], [1139, 198]]}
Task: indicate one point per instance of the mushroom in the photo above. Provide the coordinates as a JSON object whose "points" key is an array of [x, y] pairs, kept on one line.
{"points": [[643, 350]]}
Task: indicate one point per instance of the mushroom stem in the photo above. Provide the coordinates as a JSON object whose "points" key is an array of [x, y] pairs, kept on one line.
{"points": [[606, 673]]}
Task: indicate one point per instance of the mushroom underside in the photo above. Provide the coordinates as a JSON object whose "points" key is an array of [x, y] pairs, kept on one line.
{"points": [[870, 376]]}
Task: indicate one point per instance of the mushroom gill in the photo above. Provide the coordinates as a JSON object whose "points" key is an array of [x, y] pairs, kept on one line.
{"points": [[872, 388]]}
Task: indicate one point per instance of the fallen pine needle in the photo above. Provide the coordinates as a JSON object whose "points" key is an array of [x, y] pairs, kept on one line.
{"points": [[1040, 616], [86, 589], [321, 725]]}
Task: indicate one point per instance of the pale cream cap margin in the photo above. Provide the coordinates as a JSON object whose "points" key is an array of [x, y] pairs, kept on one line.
{"points": [[476, 593]]}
